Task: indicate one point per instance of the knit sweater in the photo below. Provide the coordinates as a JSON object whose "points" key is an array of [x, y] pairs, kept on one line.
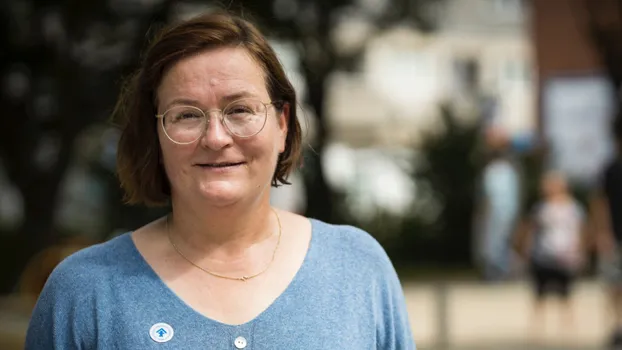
{"points": [[346, 295]]}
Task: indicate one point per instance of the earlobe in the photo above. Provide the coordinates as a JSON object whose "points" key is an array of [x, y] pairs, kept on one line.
{"points": [[284, 120]]}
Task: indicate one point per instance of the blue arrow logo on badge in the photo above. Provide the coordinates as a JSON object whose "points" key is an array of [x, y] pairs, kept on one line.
{"points": [[161, 332]]}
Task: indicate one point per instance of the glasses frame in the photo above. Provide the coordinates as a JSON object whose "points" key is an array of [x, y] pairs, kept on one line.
{"points": [[206, 113]]}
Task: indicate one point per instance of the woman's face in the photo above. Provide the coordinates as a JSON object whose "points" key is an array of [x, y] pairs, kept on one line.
{"points": [[219, 167]]}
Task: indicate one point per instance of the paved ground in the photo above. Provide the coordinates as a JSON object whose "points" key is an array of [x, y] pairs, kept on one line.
{"points": [[467, 315], [470, 315], [518, 347]]}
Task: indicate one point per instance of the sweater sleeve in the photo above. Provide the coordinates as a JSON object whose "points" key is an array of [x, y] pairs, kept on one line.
{"points": [[63, 317], [393, 329]]}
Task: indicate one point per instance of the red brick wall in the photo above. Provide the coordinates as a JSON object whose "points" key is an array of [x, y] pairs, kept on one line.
{"points": [[562, 45]]}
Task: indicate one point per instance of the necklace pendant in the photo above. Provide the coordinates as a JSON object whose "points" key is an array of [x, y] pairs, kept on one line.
{"points": [[243, 278]]}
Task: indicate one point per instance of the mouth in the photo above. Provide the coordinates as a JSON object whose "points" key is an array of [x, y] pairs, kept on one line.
{"points": [[220, 165]]}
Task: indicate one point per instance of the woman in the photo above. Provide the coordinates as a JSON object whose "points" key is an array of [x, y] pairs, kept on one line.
{"points": [[210, 126]]}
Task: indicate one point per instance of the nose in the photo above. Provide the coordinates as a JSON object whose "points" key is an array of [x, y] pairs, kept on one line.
{"points": [[216, 137]]}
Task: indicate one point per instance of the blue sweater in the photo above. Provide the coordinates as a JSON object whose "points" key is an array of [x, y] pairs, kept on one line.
{"points": [[346, 295]]}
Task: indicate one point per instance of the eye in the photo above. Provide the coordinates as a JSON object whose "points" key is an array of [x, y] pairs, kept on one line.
{"points": [[187, 115], [239, 109], [182, 114]]}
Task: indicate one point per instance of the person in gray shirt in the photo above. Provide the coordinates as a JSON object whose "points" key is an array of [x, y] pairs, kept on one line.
{"points": [[209, 125]]}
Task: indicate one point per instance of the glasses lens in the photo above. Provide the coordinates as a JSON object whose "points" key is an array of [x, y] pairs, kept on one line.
{"points": [[184, 124], [245, 118]]}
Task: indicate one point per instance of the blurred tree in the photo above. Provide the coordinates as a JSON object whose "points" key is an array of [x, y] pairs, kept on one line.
{"points": [[60, 64], [438, 232], [314, 27], [62, 61], [447, 185]]}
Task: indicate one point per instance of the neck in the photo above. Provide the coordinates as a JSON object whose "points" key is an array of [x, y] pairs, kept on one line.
{"points": [[228, 235]]}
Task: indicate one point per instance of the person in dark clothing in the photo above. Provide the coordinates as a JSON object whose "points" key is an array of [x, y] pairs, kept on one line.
{"points": [[606, 208]]}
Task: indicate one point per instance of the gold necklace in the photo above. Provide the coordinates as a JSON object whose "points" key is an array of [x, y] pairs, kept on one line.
{"points": [[243, 278]]}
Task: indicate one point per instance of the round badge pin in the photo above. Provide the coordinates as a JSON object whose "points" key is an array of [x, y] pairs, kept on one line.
{"points": [[161, 332]]}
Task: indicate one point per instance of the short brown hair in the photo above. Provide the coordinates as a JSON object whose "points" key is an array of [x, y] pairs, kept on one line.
{"points": [[139, 168]]}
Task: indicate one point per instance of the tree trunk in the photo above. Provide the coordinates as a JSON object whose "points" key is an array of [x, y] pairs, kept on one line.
{"points": [[80, 103], [40, 198], [319, 195]]}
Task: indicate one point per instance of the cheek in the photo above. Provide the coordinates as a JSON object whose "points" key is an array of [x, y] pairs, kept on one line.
{"points": [[254, 150], [262, 150], [174, 156]]}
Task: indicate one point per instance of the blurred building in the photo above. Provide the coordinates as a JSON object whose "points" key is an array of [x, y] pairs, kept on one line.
{"points": [[481, 45], [575, 97], [478, 59]]}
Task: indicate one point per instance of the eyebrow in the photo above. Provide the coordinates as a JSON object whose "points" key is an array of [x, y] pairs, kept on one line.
{"points": [[238, 95], [226, 99], [183, 101]]}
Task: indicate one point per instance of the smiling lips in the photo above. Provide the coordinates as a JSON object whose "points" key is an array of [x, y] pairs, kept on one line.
{"points": [[220, 164]]}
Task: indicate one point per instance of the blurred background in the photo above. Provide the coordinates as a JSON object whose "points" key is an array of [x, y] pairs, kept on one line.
{"points": [[428, 123]]}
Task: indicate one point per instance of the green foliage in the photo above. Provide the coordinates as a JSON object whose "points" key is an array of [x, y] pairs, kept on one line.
{"points": [[439, 229], [450, 173]]}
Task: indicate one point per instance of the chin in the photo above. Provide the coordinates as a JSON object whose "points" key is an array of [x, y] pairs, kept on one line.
{"points": [[221, 193]]}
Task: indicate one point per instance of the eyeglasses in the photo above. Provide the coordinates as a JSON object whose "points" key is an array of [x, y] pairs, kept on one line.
{"points": [[242, 118]]}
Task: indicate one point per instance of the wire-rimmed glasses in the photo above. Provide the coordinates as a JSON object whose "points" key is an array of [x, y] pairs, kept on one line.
{"points": [[242, 118]]}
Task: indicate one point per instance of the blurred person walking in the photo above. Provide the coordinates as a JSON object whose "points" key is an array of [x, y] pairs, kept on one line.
{"points": [[606, 211], [554, 236], [498, 209]]}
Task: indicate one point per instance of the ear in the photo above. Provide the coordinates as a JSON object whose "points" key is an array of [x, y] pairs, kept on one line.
{"points": [[283, 126]]}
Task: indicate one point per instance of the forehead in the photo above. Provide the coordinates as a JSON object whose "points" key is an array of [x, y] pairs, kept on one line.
{"points": [[213, 74]]}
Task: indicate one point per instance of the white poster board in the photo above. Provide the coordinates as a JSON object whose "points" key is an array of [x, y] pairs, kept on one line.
{"points": [[577, 113]]}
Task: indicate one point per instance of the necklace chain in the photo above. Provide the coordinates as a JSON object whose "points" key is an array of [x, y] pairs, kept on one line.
{"points": [[243, 278]]}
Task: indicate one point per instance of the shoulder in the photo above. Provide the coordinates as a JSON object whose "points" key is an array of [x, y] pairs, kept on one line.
{"points": [[364, 263], [68, 303], [347, 237], [84, 277], [353, 255], [89, 265], [350, 244]]}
